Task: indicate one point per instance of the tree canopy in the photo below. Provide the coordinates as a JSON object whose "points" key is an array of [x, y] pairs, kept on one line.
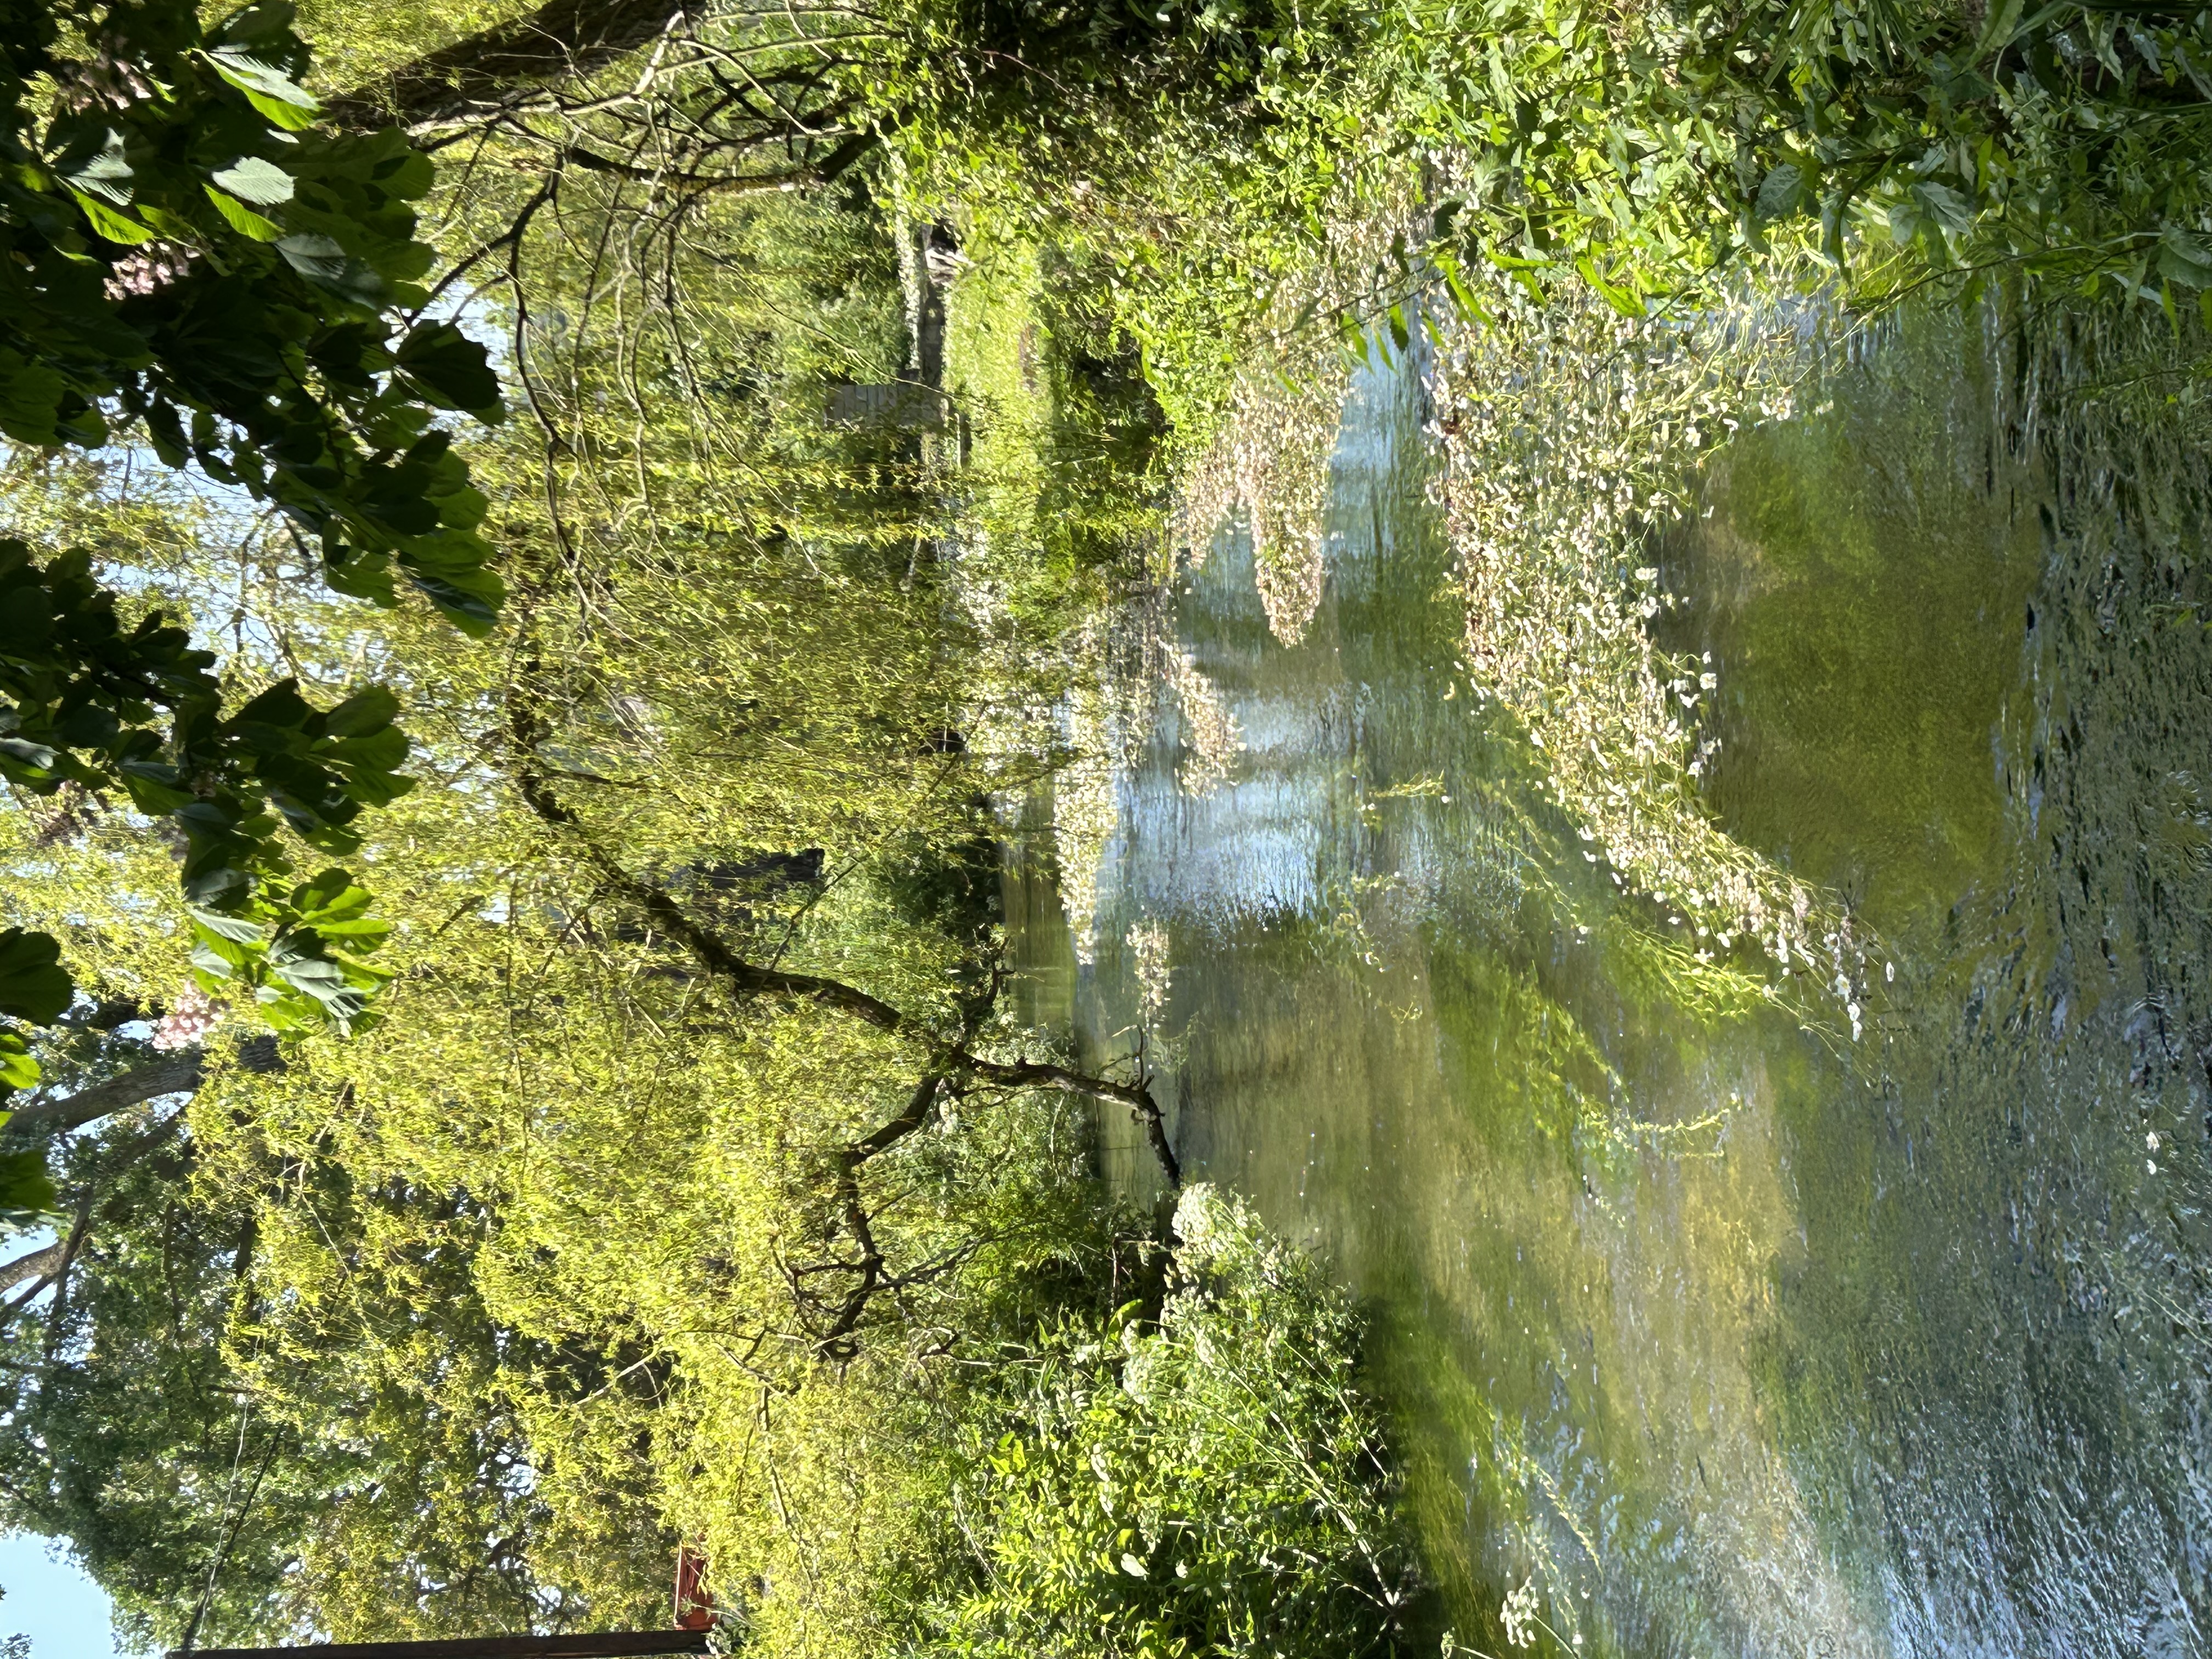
{"points": [[581, 1103]]}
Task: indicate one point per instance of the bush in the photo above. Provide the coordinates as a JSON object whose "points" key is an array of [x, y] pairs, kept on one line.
{"points": [[1211, 1484]]}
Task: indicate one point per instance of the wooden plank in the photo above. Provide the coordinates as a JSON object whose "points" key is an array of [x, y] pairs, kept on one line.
{"points": [[577, 1644]]}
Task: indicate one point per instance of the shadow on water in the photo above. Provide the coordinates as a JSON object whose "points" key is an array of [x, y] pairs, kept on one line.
{"points": [[1725, 1334]]}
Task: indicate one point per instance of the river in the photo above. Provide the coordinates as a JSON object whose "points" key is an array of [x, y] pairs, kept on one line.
{"points": [[1722, 1332]]}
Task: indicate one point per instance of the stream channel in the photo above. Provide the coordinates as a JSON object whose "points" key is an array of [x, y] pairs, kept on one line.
{"points": [[1730, 1334]]}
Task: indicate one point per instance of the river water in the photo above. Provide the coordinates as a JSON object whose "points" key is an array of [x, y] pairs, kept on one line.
{"points": [[1724, 1333]]}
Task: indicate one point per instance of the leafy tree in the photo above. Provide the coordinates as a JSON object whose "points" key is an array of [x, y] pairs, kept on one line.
{"points": [[224, 1483], [190, 250], [187, 251], [2061, 144], [694, 1079], [1209, 1480]]}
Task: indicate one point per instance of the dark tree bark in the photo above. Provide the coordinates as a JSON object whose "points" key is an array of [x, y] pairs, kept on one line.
{"points": [[495, 67], [170, 1074], [35, 1264]]}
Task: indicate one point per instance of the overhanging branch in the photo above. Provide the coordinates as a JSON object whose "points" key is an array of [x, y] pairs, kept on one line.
{"points": [[746, 980]]}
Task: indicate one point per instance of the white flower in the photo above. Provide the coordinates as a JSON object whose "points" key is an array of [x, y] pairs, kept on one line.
{"points": [[188, 1020], [1520, 1615]]}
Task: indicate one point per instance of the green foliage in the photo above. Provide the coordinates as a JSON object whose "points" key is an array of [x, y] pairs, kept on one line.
{"points": [[122, 1430], [84, 694], [556, 1269], [1334, 162], [320, 1470], [1644, 149], [1213, 1485], [185, 247], [528, 1258], [186, 250], [34, 988]]}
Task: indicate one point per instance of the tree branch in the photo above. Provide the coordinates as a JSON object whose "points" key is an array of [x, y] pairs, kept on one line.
{"points": [[746, 980], [178, 1072], [36, 1264], [735, 183]]}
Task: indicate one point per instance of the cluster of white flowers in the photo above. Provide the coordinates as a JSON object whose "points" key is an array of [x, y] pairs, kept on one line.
{"points": [[1519, 1614], [1567, 430], [1268, 464], [1148, 949], [147, 269], [188, 1020]]}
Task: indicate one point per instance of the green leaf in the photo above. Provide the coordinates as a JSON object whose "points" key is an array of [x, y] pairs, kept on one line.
{"points": [[365, 928], [1949, 208], [33, 985], [17, 1069], [1997, 32], [166, 433], [96, 164], [2182, 259], [324, 263], [241, 218], [362, 713], [451, 370], [252, 179], [155, 789], [267, 23], [237, 929], [30, 398], [1781, 193], [474, 613], [30, 756], [111, 224], [269, 90], [1623, 300], [332, 893], [217, 961], [26, 1189]]}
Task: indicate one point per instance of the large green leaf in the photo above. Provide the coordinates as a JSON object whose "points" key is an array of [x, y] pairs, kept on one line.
{"points": [[270, 90], [451, 370], [33, 985], [27, 1191]]}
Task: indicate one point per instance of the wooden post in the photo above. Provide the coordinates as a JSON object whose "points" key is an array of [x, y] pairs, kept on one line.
{"points": [[578, 1644], [695, 1608]]}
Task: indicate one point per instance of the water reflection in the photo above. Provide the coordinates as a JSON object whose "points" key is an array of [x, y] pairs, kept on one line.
{"points": [[1725, 1334]]}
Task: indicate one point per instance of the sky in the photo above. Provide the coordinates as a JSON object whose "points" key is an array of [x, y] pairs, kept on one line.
{"points": [[51, 1601]]}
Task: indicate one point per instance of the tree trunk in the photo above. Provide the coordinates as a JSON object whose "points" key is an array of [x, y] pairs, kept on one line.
{"points": [[37, 1264]]}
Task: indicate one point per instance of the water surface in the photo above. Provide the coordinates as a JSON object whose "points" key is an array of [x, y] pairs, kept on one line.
{"points": [[1733, 1336]]}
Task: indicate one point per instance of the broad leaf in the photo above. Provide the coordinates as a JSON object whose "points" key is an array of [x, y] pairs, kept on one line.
{"points": [[33, 985]]}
